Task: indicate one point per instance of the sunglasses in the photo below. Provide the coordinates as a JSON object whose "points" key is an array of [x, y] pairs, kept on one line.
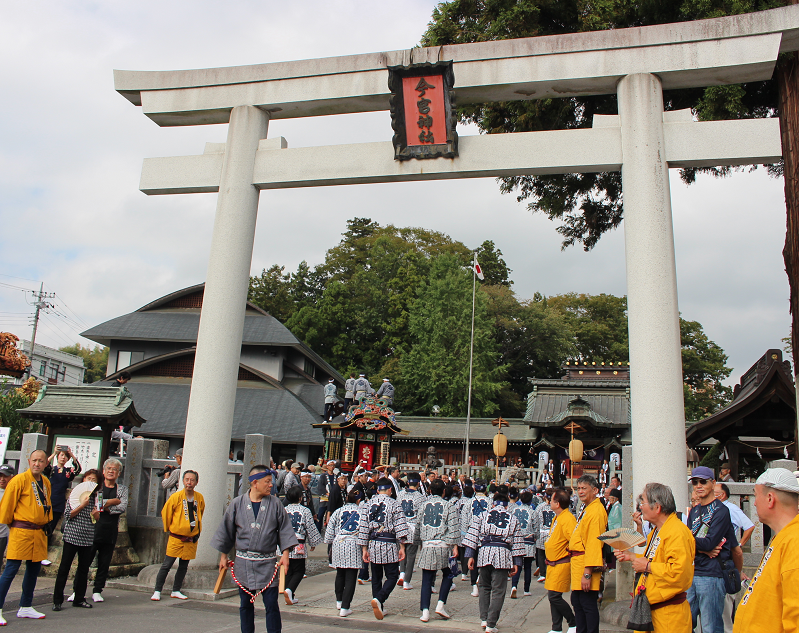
{"points": [[695, 481]]}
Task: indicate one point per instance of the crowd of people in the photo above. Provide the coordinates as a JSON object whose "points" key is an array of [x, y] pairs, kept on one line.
{"points": [[381, 525]]}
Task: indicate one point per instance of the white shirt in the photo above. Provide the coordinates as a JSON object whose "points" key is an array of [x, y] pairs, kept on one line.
{"points": [[739, 520]]}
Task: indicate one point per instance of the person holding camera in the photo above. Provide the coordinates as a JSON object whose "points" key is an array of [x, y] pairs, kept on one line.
{"points": [[183, 521], [26, 508], [171, 474]]}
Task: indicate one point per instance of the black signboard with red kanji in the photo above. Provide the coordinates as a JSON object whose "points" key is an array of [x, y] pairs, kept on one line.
{"points": [[423, 111]]}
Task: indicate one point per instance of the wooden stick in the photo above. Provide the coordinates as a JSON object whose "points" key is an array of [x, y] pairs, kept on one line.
{"points": [[282, 581], [220, 580]]}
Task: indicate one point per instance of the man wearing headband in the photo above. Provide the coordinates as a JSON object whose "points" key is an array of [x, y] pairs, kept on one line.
{"points": [[495, 533], [469, 510], [382, 535], [410, 499], [257, 524], [771, 602]]}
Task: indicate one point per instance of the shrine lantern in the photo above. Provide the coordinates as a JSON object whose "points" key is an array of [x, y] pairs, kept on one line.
{"points": [[500, 444], [576, 450]]}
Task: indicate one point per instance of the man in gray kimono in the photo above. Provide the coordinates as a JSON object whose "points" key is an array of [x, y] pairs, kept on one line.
{"points": [[410, 499], [258, 525]]}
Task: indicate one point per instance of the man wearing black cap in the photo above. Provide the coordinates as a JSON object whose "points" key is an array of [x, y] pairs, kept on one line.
{"points": [[710, 523], [382, 535]]}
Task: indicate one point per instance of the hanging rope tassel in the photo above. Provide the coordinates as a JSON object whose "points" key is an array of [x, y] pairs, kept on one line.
{"points": [[252, 595]]}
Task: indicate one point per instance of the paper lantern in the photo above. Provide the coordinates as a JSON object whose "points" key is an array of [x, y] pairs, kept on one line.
{"points": [[576, 450], [500, 444]]}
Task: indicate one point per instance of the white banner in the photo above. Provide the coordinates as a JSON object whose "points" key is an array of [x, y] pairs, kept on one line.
{"points": [[5, 434]]}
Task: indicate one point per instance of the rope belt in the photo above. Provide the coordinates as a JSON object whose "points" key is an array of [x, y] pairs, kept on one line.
{"points": [[252, 595]]}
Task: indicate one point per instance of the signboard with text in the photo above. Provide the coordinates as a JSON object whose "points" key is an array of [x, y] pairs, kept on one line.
{"points": [[88, 450], [5, 434], [423, 111]]}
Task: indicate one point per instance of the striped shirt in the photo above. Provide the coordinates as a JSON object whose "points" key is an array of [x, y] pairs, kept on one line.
{"points": [[78, 530]]}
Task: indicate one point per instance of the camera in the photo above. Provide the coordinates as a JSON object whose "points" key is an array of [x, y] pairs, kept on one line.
{"points": [[164, 470]]}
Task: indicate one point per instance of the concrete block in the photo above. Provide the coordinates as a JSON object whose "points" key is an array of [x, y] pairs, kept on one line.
{"points": [[30, 442]]}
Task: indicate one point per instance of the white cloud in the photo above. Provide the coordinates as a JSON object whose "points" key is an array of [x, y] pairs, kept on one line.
{"points": [[72, 151]]}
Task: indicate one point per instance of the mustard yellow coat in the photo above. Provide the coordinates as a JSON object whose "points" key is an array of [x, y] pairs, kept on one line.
{"points": [[22, 503], [672, 573], [771, 603], [592, 522], [559, 576], [175, 516]]}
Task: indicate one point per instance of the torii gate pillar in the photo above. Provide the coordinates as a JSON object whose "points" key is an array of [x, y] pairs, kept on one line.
{"points": [[653, 316]]}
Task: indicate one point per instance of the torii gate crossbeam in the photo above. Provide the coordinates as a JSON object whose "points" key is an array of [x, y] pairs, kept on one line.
{"points": [[643, 141]]}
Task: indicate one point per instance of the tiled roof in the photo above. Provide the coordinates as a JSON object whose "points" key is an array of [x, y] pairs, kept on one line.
{"points": [[278, 413], [544, 407], [480, 429], [109, 404]]}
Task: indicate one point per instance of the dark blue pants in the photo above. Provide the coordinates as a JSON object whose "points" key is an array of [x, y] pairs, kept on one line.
{"points": [[364, 573], [28, 582], [381, 590], [247, 612], [586, 611], [528, 574], [429, 580]]}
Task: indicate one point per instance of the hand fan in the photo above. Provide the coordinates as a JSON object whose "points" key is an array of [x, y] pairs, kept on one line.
{"points": [[622, 538], [80, 493]]}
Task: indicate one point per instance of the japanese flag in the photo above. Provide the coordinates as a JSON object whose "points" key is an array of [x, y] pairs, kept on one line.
{"points": [[477, 269]]}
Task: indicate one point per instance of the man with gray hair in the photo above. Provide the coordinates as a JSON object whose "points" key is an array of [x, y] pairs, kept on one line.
{"points": [[172, 476], [112, 501], [772, 593]]}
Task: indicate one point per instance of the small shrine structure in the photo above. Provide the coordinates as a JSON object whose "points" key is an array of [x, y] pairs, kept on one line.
{"points": [[70, 416], [364, 436]]}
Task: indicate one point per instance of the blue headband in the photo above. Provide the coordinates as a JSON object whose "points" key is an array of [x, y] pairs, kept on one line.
{"points": [[501, 503], [480, 487], [385, 487], [261, 475], [414, 480]]}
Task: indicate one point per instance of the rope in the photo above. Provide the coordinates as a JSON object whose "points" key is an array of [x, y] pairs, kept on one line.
{"points": [[252, 595]]}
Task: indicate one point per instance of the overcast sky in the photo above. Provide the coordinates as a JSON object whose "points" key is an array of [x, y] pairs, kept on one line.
{"points": [[71, 151]]}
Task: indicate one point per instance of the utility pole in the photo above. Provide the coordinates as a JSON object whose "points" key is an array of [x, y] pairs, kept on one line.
{"points": [[40, 304]]}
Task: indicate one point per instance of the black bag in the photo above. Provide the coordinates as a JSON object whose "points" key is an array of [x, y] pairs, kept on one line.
{"points": [[731, 575], [640, 612]]}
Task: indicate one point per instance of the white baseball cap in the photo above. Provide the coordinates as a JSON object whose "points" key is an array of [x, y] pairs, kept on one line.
{"points": [[779, 479]]}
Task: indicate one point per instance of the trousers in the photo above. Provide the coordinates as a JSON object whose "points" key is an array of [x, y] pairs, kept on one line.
{"points": [[560, 611], [429, 581], [295, 573], [247, 612], [541, 562], [407, 563], [528, 574], [706, 597], [180, 574], [104, 552], [346, 578], [492, 584], [28, 582], [381, 590], [586, 611], [81, 574]]}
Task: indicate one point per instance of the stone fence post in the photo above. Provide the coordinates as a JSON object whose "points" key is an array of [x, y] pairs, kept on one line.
{"points": [[30, 442], [257, 450]]}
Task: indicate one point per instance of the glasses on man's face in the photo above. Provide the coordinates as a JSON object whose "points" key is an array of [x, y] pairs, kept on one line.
{"points": [[697, 481]]}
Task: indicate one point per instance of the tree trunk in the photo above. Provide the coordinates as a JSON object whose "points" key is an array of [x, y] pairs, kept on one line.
{"points": [[786, 75]]}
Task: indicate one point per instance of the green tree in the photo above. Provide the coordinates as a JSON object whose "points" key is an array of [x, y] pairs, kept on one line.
{"points": [[495, 270], [599, 323], [271, 291], [95, 359], [704, 367], [436, 368], [10, 401]]}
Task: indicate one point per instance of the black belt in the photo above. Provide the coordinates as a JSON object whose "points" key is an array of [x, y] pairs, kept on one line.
{"points": [[383, 537], [490, 543], [530, 540]]}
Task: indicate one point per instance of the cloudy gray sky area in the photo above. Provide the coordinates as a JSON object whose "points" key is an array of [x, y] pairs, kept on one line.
{"points": [[71, 151]]}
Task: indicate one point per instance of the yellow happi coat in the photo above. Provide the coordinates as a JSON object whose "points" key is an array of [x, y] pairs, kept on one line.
{"points": [[771, 603], [672, 573], [592, 522], [22, 502], [557, 547], [175, 516]]}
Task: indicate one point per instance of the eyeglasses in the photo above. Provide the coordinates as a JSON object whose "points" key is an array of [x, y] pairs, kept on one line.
{"points": [[695, 481]]}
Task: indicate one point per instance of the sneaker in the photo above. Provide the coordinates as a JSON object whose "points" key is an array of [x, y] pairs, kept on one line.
{"points": [[527, 593], [542, 579], [401, 579], [156, 596], [483, 624], [71, 598], [97, 597], [513, 592], [178, 595], [491, 630], [289, 597], [46, 563], [474, 591], [537, 571], [464, 577], [344, 613], [407, 586], [377, 608], [361, 581], [2, 619], [441, 611], [425, 617], [338, 605], [453, 587], [30, 612], [572, 629]]}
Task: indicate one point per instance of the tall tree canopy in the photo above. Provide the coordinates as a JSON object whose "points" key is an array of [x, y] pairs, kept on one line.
{"points": [[95, 359]]}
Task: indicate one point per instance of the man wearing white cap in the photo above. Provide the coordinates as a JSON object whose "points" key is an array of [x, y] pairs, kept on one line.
{"points": [[386, 391], [771, 603]]}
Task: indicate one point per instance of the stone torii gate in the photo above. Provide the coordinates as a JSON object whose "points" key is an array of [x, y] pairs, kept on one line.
{"points": [[642, 141]]}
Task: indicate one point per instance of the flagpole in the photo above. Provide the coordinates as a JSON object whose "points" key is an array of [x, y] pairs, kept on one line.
{"points": [[471, 357]]}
